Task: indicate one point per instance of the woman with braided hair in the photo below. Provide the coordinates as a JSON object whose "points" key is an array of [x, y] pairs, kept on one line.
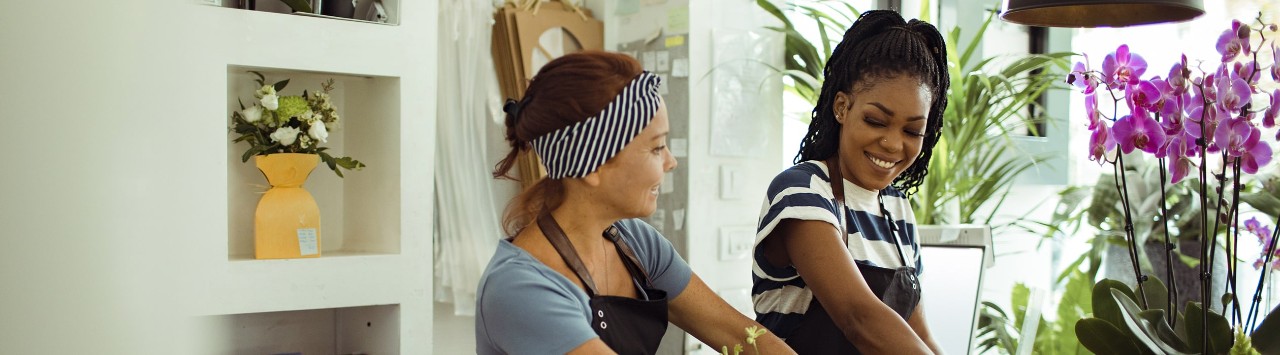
{"points": [[836, 259], [579, 274]]}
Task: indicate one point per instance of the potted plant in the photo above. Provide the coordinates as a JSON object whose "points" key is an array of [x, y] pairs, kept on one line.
{"points": [[1202, 125], [284, 134]]}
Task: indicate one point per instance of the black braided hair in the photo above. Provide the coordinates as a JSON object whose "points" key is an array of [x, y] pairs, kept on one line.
{"points": [[881, 45]]}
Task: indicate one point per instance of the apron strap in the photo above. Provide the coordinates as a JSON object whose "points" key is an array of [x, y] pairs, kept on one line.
{"points": [[837, 189], [631, 261], [560, 242]]}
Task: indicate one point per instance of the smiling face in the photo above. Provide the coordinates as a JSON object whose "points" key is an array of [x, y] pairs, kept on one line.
{"points": [[629, 182], [882, 129]]}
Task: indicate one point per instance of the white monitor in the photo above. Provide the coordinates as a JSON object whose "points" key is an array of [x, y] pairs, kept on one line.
{"points": [[955, 259]]}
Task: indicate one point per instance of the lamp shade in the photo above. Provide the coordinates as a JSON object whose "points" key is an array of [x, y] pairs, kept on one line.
{"points": [[1099, 13]]}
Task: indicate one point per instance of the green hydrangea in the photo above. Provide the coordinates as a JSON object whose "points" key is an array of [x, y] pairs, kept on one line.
{"points": [[291, 106]]}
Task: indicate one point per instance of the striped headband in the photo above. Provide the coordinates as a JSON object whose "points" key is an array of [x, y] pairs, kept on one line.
{"points": [[579, 149]]}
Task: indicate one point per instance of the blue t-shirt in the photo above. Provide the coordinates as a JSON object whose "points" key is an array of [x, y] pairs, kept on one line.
{"points": [[525, 307], [803, 192]]}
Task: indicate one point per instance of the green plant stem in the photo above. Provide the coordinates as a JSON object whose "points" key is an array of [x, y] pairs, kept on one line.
{"points": [[1266, 269], [1234, 266], [1132, 239], [1205, 237], [1217, 223], [1168, 247]]}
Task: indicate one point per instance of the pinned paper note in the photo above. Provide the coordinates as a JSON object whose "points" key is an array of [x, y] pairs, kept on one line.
{"points": [[307, 243], [675, 41], [680, 67], [664, 61], [659, 219], [668, 183], [649, 60], [664, 87], [677, 217]]}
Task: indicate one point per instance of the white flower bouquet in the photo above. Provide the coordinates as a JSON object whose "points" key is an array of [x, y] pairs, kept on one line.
{"points": [[289, 124]]}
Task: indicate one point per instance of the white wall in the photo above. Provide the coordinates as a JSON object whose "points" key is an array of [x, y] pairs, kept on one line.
{"points": [[115, 141], [95, 153]]}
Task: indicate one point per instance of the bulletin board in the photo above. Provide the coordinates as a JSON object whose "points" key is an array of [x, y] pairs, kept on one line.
{"points": [[668, 57]]}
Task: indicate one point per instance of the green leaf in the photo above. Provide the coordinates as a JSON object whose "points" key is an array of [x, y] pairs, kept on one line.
{"points": [[279, 85], [1157, 294], [1018, 302], [1265, 202], [1103, 338], [1220, 337], [1105, 306], [1141, 328], [1266, 338], [299, 5], [1156, 320], [251, 152], [262, 80]]}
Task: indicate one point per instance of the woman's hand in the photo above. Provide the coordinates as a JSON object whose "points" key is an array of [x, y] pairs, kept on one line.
{"points": [[709, 318], [815, 249]]}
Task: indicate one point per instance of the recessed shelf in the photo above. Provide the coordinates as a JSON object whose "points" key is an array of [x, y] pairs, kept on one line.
{"points": [[359, 214], [362, 11], [351, 330]]}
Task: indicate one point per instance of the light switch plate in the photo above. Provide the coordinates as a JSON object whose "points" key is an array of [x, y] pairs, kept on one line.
{"points": [[730, 182], [736, 242]]}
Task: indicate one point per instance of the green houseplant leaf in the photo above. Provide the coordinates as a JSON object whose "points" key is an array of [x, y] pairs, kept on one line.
{"points": [[1220, 336], [1146, 328], [1103, 338], [1105, 306], [299, 5], [1266, 338]]}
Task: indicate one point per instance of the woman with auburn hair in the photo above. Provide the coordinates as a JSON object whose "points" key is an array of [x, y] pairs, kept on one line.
{"points": [[579, 274], [836, 256]]}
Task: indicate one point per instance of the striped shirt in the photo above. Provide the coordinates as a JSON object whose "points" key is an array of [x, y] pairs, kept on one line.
{"points": [[803, 192]]}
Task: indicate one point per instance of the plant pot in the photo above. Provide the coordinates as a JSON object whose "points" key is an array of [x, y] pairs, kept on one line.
{"points": [[287, 221], [337, 8], [1187, 277]]}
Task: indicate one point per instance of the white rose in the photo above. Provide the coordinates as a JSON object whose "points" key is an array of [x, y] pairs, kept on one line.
{"points": [[264, 91], [285, 135], [270, 101], [252, 114], [318, 132]]}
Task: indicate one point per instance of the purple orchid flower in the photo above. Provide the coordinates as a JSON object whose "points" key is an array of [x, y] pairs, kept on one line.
{"points": [[1232, 134], [1252, 225], [1178, 76], [1202, 123], [1233, 94], [1234, 41], [1257, 153], [1179, 163], [1143, 97], [1275, 68], [1247, 70], [1101, 142], [1123, 68], [1080, 77], [1138, 132], [1091, 110], [1269, 117]]}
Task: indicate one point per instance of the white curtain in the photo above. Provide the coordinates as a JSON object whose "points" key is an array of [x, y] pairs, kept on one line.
{"points": [[467, 227]]}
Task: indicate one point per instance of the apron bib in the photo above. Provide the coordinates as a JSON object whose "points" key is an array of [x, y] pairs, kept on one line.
{"points": [[626, 325], [898, 288]]}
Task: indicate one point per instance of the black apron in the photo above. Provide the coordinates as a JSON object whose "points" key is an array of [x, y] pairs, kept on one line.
{"points": [[626, 325], [898, 288]]}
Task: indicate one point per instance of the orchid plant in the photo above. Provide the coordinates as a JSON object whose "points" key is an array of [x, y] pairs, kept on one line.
{"points": [[289, 124], [1204, 123]]}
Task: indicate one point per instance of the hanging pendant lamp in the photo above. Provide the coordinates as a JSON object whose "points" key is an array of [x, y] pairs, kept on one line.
{"points": [[1099, 13]]}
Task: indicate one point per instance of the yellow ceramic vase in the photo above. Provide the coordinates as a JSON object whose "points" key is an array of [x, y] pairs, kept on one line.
{"points": [[287, 221]]}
